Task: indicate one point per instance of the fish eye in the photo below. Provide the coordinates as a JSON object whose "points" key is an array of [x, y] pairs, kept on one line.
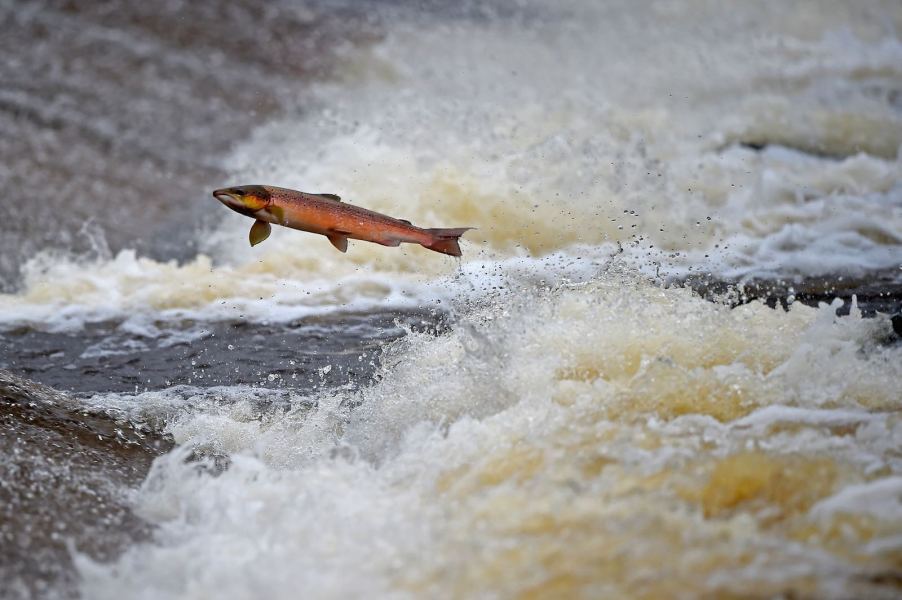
{"points": [[239, 191]]}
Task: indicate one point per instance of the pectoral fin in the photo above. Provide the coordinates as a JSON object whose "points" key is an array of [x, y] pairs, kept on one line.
{"points": [[339, 241], [259, 231]]}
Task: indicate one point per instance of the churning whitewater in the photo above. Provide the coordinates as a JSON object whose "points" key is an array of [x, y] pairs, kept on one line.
{"points": [[627, 441], [580, 425]]}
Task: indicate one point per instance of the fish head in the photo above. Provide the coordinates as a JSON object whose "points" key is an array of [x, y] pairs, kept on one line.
{"points": [[244, 199]]}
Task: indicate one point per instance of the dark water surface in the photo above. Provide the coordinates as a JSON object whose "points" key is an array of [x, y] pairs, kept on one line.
{"points": [[102, 358]]}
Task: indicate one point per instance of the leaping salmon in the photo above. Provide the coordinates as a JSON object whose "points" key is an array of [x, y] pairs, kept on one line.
{"points": [[327, 215]]}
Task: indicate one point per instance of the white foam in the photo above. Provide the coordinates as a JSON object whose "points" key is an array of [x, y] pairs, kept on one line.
{"points": [[881, 499], [777, 415], [471, 440]]}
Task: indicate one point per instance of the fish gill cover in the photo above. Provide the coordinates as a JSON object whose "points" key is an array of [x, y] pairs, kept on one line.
{"points": [[582, 427]]}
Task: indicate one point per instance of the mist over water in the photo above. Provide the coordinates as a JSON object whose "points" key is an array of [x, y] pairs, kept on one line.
{"points": [[553, 415]]}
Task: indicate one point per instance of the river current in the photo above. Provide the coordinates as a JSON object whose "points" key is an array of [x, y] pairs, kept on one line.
{"points": [[667, 364]]}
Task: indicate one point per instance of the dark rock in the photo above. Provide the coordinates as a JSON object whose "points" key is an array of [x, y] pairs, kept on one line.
{"points": [[64, 477]]}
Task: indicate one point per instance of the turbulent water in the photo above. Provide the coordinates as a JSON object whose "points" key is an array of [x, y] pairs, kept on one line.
{"points": [[554, 415]]}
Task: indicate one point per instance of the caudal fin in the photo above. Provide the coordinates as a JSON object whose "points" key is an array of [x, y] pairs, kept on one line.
{"points": [[445, 240]]}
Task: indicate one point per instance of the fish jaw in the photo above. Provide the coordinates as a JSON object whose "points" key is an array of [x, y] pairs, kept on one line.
{"points": [[245, 200]]}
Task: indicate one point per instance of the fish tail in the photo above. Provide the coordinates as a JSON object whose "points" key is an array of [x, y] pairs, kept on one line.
{"points": [[446, 240]]}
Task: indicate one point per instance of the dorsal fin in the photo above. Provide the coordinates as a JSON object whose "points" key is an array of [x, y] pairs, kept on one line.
{"points": [[335, 197], [405, 221]]}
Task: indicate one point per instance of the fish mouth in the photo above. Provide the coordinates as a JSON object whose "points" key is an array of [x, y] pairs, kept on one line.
{"points": [[239, 202], [230, 200], [224, 196]]}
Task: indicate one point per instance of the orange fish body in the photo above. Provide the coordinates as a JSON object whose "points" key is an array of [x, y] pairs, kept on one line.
{"points": [[327, 215]]}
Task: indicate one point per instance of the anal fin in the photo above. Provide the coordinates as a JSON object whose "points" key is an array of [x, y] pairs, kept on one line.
{"points": [[339, 241], [260, 230]]}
